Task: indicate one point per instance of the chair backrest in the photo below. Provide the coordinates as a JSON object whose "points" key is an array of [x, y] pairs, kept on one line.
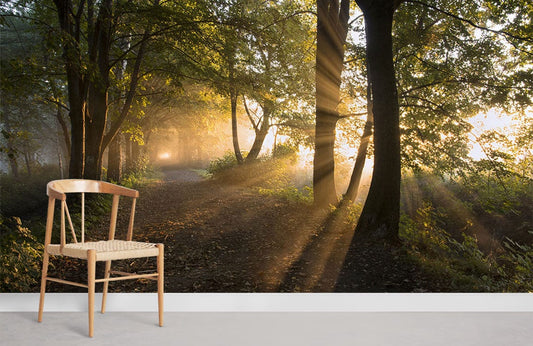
{"points": [[57, 189]]}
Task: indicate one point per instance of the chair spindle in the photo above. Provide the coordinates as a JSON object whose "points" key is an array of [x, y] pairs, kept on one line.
{"points": [[132, 217], [70, 223], [82, 217], [114, 212], [62, 239]]}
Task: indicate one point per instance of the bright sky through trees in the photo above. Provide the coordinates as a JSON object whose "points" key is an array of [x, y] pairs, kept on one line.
{"points": [[493, 120]]}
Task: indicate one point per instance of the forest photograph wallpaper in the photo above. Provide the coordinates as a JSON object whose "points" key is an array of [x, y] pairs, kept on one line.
{"points": [[277, 146]]}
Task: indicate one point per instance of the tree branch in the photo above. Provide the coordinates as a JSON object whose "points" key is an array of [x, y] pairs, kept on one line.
{"points": [[256, 128]]}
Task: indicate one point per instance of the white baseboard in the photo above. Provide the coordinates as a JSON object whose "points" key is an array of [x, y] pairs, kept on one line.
{"points": [[266, 302]]}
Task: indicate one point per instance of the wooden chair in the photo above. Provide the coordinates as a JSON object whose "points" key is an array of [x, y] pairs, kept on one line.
{"points": [[107, 250]]}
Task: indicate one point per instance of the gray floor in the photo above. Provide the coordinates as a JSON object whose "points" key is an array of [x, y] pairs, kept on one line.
{"points": [[269, 328]]}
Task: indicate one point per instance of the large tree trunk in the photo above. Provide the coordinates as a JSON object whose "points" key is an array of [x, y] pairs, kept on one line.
{"points": [[381, 213], [95, 126], [324, 161], [77, 142], [332, 26], [97, 116]]}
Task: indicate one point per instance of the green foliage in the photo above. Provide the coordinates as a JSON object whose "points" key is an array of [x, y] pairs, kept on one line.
{"points": [[141, 177], [290, 193], [20, 256], [223, 163], [462, 263], [282, 150], [518, 263], [354, 211]]}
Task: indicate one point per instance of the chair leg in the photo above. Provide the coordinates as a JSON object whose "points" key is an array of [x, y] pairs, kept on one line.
{"points": [[44, 274], [91, 272], [106, 285], [160, 281]]}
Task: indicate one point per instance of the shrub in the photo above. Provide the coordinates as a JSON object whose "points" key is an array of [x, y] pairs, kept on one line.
{"points": [[223, 163], [141, 177], [290, 193], [20, 257]]}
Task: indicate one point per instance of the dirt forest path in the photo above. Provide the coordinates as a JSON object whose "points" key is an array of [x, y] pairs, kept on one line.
{"points": [[221, 237], [226, 238]]}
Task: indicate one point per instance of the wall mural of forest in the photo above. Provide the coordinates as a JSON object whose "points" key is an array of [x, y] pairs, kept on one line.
{"points": [[278, 146]]}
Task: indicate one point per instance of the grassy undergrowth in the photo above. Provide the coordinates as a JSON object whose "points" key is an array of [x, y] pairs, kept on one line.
{"points": [[271, 176], [460, 263]]}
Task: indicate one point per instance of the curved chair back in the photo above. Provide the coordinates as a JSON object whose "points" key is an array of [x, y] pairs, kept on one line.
{"points": [[57, 189]]}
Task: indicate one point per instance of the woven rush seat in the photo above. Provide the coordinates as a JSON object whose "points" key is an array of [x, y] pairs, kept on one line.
{"points": [[106, 249]]}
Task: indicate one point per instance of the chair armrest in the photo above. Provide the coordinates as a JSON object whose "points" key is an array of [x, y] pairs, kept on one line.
{"points": [[118, 190]]}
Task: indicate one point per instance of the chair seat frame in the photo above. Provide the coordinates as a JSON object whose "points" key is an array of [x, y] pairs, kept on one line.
{"points": [[57, 190]]}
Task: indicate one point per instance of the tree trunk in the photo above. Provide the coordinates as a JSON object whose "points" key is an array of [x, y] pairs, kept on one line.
{"points": [[60, 162], [331, 36], [234, 132], [355, 180], [324, 161], [114, 160], [27, 161], [129, 158], [77, 140], [8, 135], [136, 156], [95, 127], [260, 134], [64, 128], [97, 116], [257, 145], [13, 164], [381, 213]]}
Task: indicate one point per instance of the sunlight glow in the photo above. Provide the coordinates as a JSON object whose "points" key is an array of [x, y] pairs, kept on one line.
{"points": [[164, 156]]}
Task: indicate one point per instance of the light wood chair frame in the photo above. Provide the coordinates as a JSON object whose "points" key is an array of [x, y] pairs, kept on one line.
{"points": [[57, 190]]}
